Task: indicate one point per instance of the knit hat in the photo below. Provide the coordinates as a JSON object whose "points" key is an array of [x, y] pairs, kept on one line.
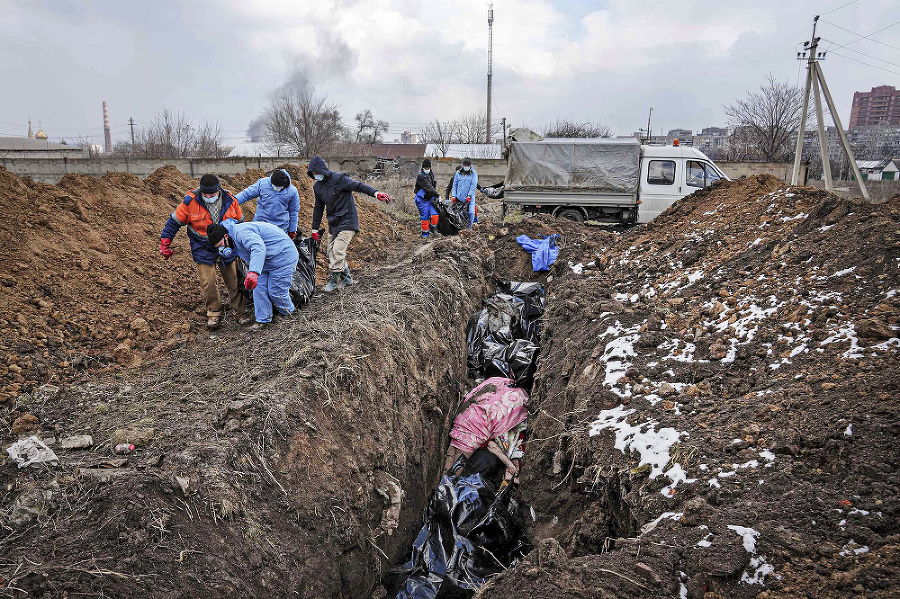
{"points": [[209, 183], [467, 161], [215, 233], [426, 163], [280, 178]]}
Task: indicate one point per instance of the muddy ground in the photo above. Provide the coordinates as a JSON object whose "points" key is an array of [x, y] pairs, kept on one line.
{"points": [[748, 338]]}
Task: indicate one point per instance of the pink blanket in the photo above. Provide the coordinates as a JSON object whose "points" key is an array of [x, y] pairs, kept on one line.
{"points": [[497, 409]]}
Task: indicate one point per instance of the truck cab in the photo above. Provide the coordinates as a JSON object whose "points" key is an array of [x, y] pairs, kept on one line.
{"points": [[668, 173], [607, 180]]}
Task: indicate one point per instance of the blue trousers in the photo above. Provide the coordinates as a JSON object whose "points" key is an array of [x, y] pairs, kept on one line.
{"points": [[428, 214], [273, 289]]}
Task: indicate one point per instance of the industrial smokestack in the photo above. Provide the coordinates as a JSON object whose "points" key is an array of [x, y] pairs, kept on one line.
{"points": [[107, 137]]}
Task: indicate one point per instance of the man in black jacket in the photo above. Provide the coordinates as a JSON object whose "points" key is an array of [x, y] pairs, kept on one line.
{"points": [[334, 191], [426, 197]]}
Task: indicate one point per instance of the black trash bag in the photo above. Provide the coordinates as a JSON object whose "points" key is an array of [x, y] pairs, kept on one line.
{"points": [[447, 560], [303, 283], [242, 269], [453, 218], [503, 339], [494, 191]]}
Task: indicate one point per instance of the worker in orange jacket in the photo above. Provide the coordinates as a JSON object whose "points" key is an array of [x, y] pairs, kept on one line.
{"points": [[201, 207]]}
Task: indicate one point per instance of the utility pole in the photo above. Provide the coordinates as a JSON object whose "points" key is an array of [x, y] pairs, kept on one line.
{"points": [[503, 131], [814, 79], [649, 132], [131, 123], [490, 65]]}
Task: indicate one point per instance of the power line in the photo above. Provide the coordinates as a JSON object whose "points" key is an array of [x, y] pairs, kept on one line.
{"points": [[839, 7], [865, 63], [866, 55], [864, 37]]}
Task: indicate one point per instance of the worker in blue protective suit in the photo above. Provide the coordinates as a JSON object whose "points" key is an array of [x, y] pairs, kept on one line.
{"points": [[278, 203], [465, 184], [272, 257], [426, 196]]}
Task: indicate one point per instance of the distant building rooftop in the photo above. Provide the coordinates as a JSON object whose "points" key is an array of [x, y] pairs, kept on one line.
{"points": [[25, 144]]}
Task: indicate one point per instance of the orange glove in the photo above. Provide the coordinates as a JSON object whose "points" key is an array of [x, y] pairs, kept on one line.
{"points": [[251, 280], [164, 248]]}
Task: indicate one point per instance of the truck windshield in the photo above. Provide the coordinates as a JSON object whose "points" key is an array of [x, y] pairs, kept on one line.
{"points": [[701, 174]]}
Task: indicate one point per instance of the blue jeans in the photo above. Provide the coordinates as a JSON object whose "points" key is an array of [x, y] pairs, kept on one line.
{"points": [[273, 289]]}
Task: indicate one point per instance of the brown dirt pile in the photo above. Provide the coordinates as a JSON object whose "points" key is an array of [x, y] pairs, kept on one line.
{"points": [[85, 289], [267, 464], [716, 404]]}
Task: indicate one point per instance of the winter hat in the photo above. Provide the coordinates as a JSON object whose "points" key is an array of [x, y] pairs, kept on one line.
{"points": [[467, 161], [209, 183], [280, 178], [215, 233], [426, 163]]}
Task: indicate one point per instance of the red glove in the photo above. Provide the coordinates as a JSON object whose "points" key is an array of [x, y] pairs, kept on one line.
{"points": [[454, 200], [468, 200], [164, 248], [251, 280], [292, 234], [380, 195], [315, 236]]}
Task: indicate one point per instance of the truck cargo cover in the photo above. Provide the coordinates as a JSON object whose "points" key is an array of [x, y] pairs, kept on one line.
{"points": [[610, 165]]}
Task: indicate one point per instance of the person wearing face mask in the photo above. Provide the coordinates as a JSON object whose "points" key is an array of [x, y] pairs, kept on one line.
{"points": [[465, 184], [207, 205], [278, 203], [334, 192], [425, 195], [272, 257]]}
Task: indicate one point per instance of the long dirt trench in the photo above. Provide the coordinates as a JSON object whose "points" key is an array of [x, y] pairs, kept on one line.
{"points": [[266, 466]]}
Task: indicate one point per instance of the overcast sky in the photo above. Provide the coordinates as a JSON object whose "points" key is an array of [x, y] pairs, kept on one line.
{"points": [[413, 61]]}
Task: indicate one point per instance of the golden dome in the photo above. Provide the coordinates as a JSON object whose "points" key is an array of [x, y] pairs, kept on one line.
{"points": [[40, 134]]}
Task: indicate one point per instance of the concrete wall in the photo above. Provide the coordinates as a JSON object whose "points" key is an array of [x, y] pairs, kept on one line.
{"points": [[51, 170], [782, 170], [879, 191]]}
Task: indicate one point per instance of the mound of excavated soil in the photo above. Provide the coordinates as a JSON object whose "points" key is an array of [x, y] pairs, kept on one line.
{"points": [[84, 286], [268, 465], [717, 405]]}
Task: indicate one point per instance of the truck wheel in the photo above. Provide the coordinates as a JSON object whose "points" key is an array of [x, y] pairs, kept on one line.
{"points": [[571, 214]]}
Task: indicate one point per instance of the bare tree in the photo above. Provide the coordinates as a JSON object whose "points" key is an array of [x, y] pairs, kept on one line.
{"points": [[571, 129], [472, 128], [172, 134], [209, 141], [302, 121], [440, 134], [769, 119], [368, 130]]}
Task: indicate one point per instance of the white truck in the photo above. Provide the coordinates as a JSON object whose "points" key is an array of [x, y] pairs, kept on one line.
{"points": [[607, 180]]}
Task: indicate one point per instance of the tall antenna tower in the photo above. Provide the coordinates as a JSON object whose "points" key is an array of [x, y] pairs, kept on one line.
{"points": [[490, 65], [107, 138]]}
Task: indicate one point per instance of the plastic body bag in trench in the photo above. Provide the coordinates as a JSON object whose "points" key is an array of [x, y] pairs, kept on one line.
{"points": [[303, 283], [452, 218], [503, 339], [471, 532]]}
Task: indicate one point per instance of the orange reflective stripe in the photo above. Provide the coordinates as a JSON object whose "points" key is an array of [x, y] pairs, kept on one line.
{"points": [[425, 226], [434, 219]]}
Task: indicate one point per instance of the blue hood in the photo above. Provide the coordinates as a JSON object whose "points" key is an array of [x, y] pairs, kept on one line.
{"points": [[318, 165]]}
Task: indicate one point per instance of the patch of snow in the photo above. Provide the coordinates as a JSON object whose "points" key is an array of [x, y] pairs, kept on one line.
{"points": [[824, 228], [705, 541], [651, 525], [841, 273], [852, 548], [849, 431], [654, 446], [577, 268], [714, 482], [800, 216], [757, 562], [767, 455]]}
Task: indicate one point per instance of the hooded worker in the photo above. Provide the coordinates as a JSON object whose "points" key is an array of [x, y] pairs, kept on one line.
{"points": [[465, 184], [426, 195], [278, 203], [272, 258], [334, 196], [207, 205]]}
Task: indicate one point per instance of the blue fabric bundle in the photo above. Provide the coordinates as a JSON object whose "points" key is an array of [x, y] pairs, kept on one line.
{"points": [[543, 251]]}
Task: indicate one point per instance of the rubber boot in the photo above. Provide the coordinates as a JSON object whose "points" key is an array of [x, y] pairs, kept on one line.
{"points": [[334, 281], [213, 323], [346, 279]]}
